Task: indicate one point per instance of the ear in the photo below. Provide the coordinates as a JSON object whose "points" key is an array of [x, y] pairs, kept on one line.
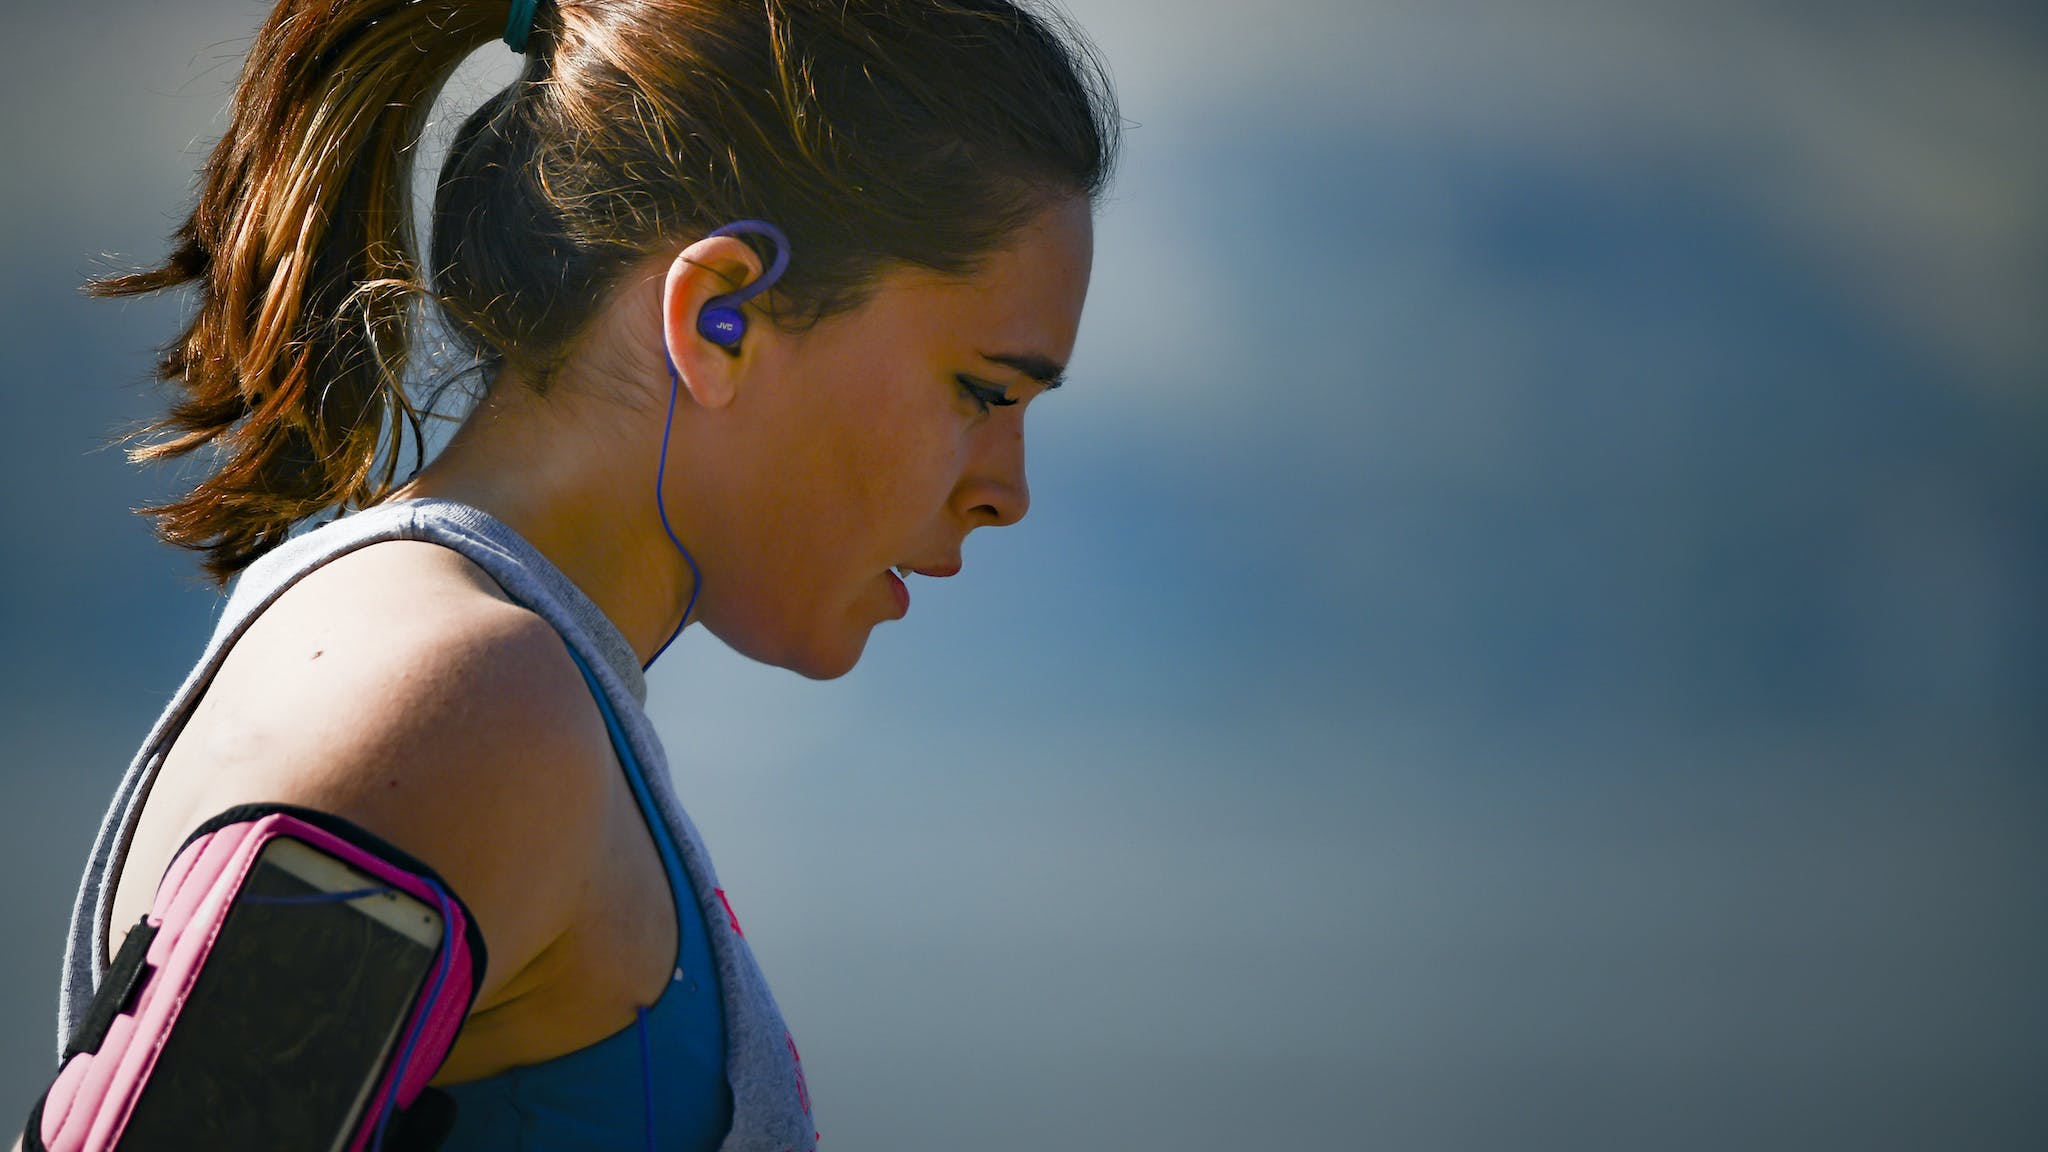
{"points": [[709, 268]]}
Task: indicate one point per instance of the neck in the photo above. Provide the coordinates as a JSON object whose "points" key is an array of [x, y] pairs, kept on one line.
{"points": [[576, 479]]}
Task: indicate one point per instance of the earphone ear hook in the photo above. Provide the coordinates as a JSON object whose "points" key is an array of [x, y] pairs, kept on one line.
{"points": [[722, 321]]}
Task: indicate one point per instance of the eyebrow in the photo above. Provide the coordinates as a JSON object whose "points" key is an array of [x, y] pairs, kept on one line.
{"points": [[1044, 371]]}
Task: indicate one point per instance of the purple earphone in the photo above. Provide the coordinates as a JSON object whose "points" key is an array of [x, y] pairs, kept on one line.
{"points": [[723, 323]]}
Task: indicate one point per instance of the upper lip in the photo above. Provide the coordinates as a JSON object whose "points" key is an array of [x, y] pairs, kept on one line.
{"points": [[938, 571]]}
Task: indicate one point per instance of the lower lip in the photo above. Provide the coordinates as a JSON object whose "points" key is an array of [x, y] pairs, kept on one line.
{"points": [[902, 592]]}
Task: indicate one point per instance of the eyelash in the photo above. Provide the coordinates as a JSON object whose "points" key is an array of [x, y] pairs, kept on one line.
{"points": [[985, 396]]}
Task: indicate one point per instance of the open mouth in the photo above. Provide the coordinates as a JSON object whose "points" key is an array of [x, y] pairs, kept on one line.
{"points": [[901, 590]]}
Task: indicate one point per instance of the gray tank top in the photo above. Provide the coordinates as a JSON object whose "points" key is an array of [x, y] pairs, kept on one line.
{"points": [[771, 1103]]}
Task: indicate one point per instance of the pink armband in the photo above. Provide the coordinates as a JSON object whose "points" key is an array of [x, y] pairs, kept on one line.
{"points": [[108, 1063]]}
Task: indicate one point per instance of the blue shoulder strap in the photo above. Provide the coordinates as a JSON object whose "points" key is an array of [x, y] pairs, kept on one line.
{"points": [[671, 862]]}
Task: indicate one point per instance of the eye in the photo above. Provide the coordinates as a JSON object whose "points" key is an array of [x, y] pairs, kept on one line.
{"points": [[985, 396]]}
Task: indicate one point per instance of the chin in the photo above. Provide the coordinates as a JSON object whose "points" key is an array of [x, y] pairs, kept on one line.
{"points": [[814, 657], [823, 672], [822, 666]]}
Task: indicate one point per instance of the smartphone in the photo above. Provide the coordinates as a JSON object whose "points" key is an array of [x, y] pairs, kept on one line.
{"points": [[296, 1012]]}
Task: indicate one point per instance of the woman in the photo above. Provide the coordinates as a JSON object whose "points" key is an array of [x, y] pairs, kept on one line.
{"points": [[763, 292]]}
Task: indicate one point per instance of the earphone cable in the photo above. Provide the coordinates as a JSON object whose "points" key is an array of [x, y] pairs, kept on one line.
{"points": [[675, 382]]}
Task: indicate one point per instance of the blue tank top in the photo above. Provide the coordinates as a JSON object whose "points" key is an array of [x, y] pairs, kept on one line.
{"points": [[584, 1099]]}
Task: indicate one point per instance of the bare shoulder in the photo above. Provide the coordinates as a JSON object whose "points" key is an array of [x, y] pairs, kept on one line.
{"points": [[398, 688], [403, 667]]}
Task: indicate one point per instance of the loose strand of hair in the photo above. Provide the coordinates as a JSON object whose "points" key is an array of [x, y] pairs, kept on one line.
{"points": [[291, 369]]}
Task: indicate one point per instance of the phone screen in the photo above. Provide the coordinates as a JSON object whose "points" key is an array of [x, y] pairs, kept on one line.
{"points": [[293, 1013]]}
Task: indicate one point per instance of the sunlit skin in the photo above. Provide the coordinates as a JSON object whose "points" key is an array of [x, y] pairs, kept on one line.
{"points": [[805, 470], [399, 687]]}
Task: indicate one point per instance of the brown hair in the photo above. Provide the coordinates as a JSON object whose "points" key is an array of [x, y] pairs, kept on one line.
{"points": [[873, 132]]}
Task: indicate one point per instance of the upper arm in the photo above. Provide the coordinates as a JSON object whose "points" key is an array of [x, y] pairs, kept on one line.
{"points": [[464, 736]]}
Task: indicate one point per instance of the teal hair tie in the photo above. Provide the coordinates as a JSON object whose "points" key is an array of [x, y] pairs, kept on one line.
{"points": [[519, 25]]}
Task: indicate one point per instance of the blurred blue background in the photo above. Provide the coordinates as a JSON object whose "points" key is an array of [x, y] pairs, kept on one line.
{"points": [[1531, 632]]}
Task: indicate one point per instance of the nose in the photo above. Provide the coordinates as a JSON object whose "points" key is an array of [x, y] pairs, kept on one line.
{"points": [[994, 492]]}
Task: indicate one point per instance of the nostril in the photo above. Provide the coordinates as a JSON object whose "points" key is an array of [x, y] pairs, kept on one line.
{"points": [[1001, 515]]}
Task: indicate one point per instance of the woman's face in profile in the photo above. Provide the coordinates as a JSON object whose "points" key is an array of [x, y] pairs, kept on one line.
{"points": [[880, 438]]}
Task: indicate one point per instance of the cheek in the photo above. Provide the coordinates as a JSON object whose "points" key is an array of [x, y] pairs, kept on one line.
{"points": [[847, 493], [899, 463], [859, 467]]}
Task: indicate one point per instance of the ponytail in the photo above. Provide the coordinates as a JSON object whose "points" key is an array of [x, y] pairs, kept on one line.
{"points": [[301, 246]]}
